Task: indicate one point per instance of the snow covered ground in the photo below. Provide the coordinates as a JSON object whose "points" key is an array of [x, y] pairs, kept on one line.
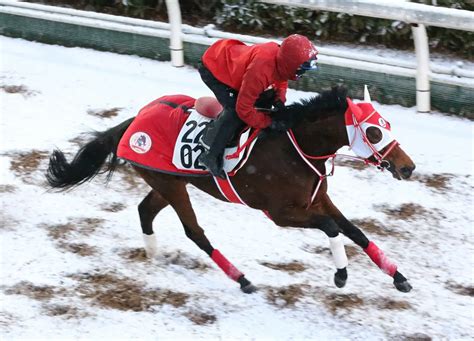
{"points": [[72, 264]]}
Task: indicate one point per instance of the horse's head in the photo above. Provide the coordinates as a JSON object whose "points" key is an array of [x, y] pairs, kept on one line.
{"points": [[370, 137]]}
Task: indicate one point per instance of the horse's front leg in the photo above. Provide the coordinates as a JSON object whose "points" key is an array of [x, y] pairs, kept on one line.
{"points": [[316, 217], [369, 247]]}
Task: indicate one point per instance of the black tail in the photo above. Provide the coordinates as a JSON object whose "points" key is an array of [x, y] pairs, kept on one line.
{"points": [[88, 161]]}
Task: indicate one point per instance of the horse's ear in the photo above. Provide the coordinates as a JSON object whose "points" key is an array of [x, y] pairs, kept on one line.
{"points": [[366, 95], [354, 108]]}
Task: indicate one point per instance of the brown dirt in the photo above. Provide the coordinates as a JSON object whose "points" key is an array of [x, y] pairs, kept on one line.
{"points": [[106, 113], [291, 267], [352, 251], [342, 302], [359, 165], [18, 89], [123, 293], [37, 292], [81, 226], [8, 188], [375, 227], [64, 311], [409, 211], [286, 296], [112, 207], [80, 249], [200, 318], [185, 260], [387, 303], [316, 249], [460, 289], [435, 181], [59, 231], [24, 164], [133, 254]]}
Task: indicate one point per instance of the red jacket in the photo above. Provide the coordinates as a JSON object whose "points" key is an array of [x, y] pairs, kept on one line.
{"points": [[250, 70]]}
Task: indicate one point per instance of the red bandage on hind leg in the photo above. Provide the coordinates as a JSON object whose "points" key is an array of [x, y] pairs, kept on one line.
{"points": [[225, 265], [379, 258]]}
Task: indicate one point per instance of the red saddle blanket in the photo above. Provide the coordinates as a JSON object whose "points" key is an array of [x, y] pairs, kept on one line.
{"points": [[164, 137], [150, 139]]}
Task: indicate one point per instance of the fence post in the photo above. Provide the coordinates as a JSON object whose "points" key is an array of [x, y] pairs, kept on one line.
{"points": [[176, 42], [423, 102]]}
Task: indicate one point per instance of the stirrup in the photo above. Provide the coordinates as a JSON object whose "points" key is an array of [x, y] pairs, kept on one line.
{"points": [[211, 163]]}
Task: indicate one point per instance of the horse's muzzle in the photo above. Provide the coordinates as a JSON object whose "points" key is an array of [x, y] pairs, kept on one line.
{"points": [[406, 172], [401, 173]]}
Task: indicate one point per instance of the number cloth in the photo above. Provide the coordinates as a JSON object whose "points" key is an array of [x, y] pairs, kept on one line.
{"points": [[164, 137], [155, 130]]}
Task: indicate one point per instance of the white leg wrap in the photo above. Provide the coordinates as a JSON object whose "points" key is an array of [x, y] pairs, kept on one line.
{"points": [[151, 248], [338, 252]]}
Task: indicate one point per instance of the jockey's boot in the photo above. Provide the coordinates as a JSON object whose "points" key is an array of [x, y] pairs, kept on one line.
{"points": [[217, 135]]}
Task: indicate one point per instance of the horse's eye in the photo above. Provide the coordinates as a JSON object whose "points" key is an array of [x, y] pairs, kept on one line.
{"points": [[374, 134]]}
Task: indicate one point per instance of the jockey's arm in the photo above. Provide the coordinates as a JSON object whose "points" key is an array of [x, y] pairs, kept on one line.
{"points": [[253, 84]]}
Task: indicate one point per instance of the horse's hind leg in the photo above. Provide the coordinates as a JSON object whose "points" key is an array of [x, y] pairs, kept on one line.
{"points": [[173, 190], [369, 247], [150, 206]]}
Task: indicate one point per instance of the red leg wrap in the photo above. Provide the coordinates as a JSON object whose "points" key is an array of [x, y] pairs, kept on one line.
{"points": [[379, 258], [225, 265]]}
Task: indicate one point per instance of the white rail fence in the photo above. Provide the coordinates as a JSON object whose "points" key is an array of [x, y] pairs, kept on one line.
{"points": [[418, 15], [177, 33]]}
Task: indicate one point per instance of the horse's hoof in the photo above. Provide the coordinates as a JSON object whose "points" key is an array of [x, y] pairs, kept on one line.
{"points": [[340, 278], [249, 288], [340, 283], [403, 286]]}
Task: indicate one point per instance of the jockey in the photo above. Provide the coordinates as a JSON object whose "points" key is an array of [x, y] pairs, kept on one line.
{"points": [[240, 75]]}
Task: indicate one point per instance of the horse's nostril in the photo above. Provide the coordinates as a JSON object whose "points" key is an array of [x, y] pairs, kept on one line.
{"points": [[406, 171]]}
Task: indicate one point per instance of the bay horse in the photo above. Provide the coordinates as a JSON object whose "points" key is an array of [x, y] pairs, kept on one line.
{"points": [[285, 176]]}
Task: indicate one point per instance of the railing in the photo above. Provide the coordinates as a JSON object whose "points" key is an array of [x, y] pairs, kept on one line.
{"points": [[418, 15], [454, 75]]}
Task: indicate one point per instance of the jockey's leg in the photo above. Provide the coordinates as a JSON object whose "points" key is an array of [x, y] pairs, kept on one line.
{"points": [[219, 132], [150, 206], [217, 135]]}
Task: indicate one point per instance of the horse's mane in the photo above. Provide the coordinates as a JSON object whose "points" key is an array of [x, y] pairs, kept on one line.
{"points": [[327, 103]]}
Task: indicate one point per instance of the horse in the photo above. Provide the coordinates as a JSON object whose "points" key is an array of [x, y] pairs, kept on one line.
{"points": [[285, 176]]}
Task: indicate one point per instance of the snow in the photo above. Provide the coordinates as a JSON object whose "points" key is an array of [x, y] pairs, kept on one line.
{"points": [[434, 250]]}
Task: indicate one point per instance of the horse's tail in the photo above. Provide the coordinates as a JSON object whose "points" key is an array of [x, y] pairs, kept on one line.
{"points": [[88, 161]]}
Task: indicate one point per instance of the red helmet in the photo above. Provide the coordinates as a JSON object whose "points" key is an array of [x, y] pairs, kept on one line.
{"points": [[294, 51]]}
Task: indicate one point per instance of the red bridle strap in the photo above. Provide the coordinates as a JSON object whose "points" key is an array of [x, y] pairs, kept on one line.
{"points": [[306, 158]]}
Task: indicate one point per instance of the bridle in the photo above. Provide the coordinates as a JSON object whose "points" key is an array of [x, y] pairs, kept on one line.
{"points": [[376, 159]]}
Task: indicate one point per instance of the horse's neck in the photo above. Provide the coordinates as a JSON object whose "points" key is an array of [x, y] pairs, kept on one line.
{"points": [[322, 137]]}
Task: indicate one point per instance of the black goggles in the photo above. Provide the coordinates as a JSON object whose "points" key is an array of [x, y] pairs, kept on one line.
{"points": [[311, 64]]}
